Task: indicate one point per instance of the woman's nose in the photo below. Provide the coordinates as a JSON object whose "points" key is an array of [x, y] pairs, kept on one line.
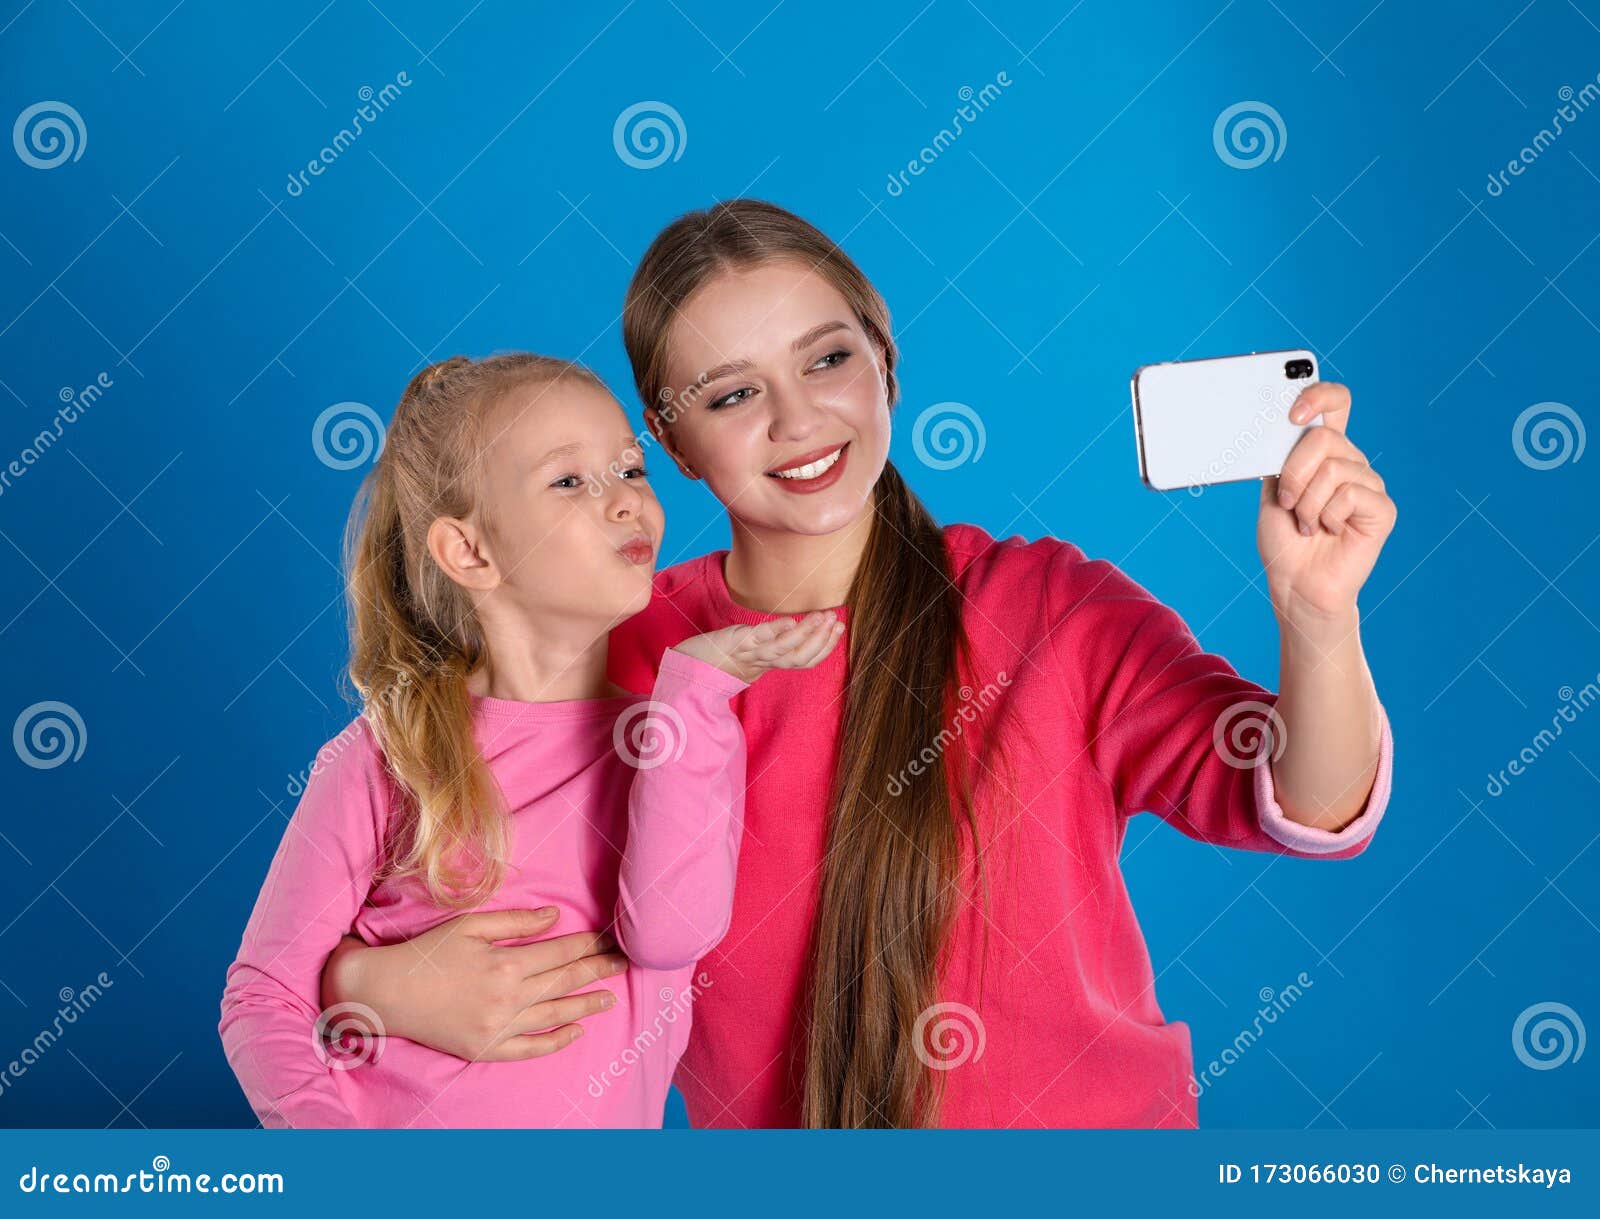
{"points": [[794, 415]]}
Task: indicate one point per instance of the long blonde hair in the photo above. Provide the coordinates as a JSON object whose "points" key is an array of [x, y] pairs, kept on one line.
{"points": [[414, 635], [891, 877]]}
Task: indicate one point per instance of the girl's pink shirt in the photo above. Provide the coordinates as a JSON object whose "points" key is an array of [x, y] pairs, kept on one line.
{"points": [[624, 812], [1108, 707]]}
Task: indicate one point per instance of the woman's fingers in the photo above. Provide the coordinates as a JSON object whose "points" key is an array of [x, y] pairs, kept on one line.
{"points": [[1359, 506], [566, 979], [1331, 475], [1329, 399], [569, 1009], [493, 925], [534, 1045], [1315, 446], [531, 960]]}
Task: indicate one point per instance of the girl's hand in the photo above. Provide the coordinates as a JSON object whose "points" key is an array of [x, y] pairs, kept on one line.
{"points": [[747, 652], [1324, 518], [455, 989]]}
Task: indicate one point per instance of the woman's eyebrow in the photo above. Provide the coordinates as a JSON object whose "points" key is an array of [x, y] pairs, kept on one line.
{"points": [[800, 344]]}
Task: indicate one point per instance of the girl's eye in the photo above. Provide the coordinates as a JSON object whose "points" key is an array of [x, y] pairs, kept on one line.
{"points": [[732, 399], [636, 472], [832, 360], [568, 482]]}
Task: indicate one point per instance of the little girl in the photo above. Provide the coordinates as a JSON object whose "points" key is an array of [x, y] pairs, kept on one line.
{"points": [[505, 529]]}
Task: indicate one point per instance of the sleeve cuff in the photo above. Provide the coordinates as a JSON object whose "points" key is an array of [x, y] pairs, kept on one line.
{"points": [[1308, 839], [698, 672]]}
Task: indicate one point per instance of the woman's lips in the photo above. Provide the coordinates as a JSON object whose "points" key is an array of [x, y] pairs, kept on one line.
{"points": [[828, 464], [637, 551]]}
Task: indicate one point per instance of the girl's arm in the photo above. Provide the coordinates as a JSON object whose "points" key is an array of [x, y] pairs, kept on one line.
{"points": [[685, 814], [319, 877], [686, 808]]}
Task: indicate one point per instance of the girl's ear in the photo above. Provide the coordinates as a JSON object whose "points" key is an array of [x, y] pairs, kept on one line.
{"points": [[661, 428], [456, 547]]}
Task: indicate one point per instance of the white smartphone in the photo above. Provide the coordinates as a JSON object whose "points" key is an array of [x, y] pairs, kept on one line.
{"points": [[1221, 420]]}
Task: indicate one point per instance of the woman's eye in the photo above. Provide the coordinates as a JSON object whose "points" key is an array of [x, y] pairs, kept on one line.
{"points": [[832, 360], [733, 399]]}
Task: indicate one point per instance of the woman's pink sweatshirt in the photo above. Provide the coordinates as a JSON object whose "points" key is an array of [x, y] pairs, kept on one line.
{"points": [[624, 812], [1109, 707]]}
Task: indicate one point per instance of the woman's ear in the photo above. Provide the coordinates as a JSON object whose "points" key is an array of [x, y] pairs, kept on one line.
{"points": [[661, 428], [456, 546]]}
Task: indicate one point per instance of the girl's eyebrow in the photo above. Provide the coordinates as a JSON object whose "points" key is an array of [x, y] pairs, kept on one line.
{"points": [[800, 344], [556, 454]]}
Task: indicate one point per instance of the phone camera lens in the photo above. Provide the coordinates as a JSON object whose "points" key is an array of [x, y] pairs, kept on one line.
{"points": [[1297, 370]]}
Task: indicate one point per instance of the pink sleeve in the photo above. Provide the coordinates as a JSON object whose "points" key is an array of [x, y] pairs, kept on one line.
{"points": [[321, 874], [1177, 731], [685, 814]]}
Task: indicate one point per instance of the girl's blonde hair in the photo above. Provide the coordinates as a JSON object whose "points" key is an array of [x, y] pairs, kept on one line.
{"points": [[414, 635]]}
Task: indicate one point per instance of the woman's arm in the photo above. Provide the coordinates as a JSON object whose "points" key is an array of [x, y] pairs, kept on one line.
{"points": [[457, 989], [1322, 524]]}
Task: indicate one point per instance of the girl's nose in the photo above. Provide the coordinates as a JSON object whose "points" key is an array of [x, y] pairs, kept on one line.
{"points": [[624, 504]]}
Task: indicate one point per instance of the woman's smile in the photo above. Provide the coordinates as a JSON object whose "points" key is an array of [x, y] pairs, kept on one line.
{"points": [[812, 471]]}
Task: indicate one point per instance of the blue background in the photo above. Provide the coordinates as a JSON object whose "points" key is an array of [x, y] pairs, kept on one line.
{"points": [[169, 565]]}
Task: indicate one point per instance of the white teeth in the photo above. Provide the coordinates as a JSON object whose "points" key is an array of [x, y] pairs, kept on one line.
{"points": [[813, 469]]}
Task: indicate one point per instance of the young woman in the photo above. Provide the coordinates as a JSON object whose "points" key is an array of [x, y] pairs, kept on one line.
{"points": [[930, 924]]}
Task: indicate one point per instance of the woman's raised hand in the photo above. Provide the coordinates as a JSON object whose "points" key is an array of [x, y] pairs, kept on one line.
{"points": [[747, 652], [1324, 518], [458, 990]]}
